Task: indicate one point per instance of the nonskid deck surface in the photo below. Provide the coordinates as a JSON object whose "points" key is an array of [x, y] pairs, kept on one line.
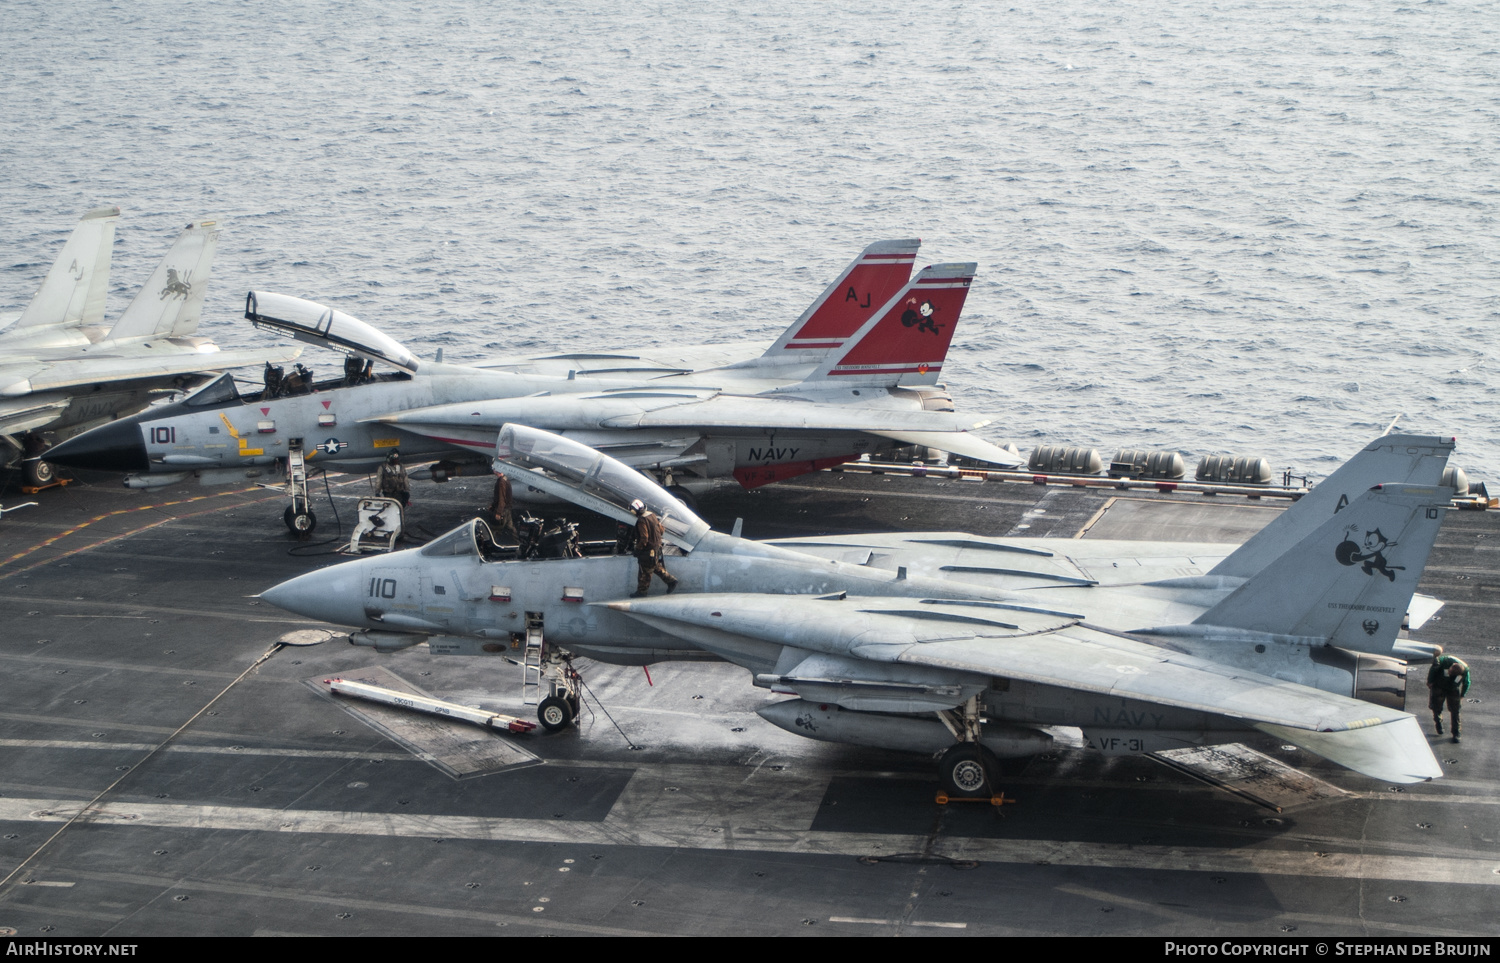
{"points": [[154, 779]]}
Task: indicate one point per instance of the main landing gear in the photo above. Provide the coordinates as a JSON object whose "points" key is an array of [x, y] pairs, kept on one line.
{"points": [[968, 770]]}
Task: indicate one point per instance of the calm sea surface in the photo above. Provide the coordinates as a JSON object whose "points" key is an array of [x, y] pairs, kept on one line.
{"points": [[1246, 226]]}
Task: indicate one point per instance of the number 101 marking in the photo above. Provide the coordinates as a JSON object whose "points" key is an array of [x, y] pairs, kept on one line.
{"points": [[382, 588]]}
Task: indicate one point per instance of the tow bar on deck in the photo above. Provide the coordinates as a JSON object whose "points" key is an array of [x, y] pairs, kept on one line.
{"points": [[436, 707]]}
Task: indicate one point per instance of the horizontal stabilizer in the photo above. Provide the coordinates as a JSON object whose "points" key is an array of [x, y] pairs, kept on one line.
{"points": [[865, 285], [1394, 752], [962, 443], [170, 303], [73, 291]]}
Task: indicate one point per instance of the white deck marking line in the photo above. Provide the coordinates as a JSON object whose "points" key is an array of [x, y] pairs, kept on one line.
{"points": [[860, 919], [207, 750], [702, 826]]}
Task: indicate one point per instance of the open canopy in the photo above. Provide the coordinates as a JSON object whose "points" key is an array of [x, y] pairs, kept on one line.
{"points": [[312, 322], [579, 474]]}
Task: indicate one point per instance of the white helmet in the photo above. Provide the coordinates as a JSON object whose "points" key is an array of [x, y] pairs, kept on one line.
{"points": [[638, 506]]}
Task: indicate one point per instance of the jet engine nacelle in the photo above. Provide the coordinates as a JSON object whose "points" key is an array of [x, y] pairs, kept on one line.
{"points": [[829, 723]]}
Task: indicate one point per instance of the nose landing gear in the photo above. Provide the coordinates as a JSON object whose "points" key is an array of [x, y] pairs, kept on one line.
{"points": [[544, 665]]}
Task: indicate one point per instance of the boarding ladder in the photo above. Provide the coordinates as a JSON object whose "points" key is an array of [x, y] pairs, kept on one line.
{"points": [[531, 661], [296, 478]]}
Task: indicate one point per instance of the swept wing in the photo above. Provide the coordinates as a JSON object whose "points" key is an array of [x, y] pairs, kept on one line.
{"points": [[1053, 649]]}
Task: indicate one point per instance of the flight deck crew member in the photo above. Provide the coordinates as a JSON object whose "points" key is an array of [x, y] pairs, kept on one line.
{"points": [[391, 480], [1448, 681], [501, 506], [648, 533]]}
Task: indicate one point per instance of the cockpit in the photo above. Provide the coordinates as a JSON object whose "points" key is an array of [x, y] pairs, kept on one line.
{"points": [[572, 471], [575, 472]]}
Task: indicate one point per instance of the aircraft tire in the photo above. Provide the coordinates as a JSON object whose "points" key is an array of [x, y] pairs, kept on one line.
{"points": [[39, 473], [300, 524], [554, 714], [575, 706], [968, 770]]}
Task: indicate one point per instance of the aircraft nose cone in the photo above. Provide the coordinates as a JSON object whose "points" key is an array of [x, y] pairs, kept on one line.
{"points": [[327, 595], [113, 447]]}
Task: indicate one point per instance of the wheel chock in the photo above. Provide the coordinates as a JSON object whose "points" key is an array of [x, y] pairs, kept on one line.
{"points": [[997, 801]]}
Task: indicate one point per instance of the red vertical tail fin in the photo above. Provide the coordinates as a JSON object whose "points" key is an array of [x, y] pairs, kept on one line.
{"points": [[906, 341], [868, 282]]}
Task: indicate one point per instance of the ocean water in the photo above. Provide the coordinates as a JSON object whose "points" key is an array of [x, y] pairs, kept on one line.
{"points": [[1250, 226]]}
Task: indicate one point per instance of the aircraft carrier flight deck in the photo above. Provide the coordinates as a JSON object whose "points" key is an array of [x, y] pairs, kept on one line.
{"points": [[169, 766]]}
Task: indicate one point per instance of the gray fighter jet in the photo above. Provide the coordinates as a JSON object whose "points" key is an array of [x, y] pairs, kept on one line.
{"points": [[956, 643], [846, 379], [62, 370]]}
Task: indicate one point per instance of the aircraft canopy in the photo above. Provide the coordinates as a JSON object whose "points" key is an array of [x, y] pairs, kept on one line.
{"points": [[312, 322], [593, 480]]}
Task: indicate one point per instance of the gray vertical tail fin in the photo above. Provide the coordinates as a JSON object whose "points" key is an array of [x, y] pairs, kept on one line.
{"points": [[1412, 459], [73, 291], [171, 302], [1351, 580], [868, 282]]}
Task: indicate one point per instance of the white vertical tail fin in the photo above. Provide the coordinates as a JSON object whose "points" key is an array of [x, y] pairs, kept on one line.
{"points": [[868, 282], [906, 341], [73, 291], [1351, 580], [1412, 459], [171, 302]]}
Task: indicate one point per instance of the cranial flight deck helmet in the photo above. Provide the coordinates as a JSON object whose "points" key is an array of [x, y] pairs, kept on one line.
{"points": [[638, 506]]}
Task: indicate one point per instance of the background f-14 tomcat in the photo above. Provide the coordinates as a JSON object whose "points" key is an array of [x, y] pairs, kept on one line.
{"points": [[61, 369], [947, 641], [858, 372]]}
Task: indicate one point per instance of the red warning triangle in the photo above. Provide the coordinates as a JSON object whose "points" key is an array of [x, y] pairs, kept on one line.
{"points": [[265, 411]]}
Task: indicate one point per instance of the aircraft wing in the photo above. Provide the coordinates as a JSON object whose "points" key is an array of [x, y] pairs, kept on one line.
{"points": [[137, 363], [697, 411], [1032, 644]]}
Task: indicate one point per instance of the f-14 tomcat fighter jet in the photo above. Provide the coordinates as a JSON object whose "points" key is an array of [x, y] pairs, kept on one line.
{"points": [[846, 379], [956, 643]]}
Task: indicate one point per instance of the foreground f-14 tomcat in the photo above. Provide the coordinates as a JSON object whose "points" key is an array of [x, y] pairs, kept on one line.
{"points": [[856, 373], [951, 642]]}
